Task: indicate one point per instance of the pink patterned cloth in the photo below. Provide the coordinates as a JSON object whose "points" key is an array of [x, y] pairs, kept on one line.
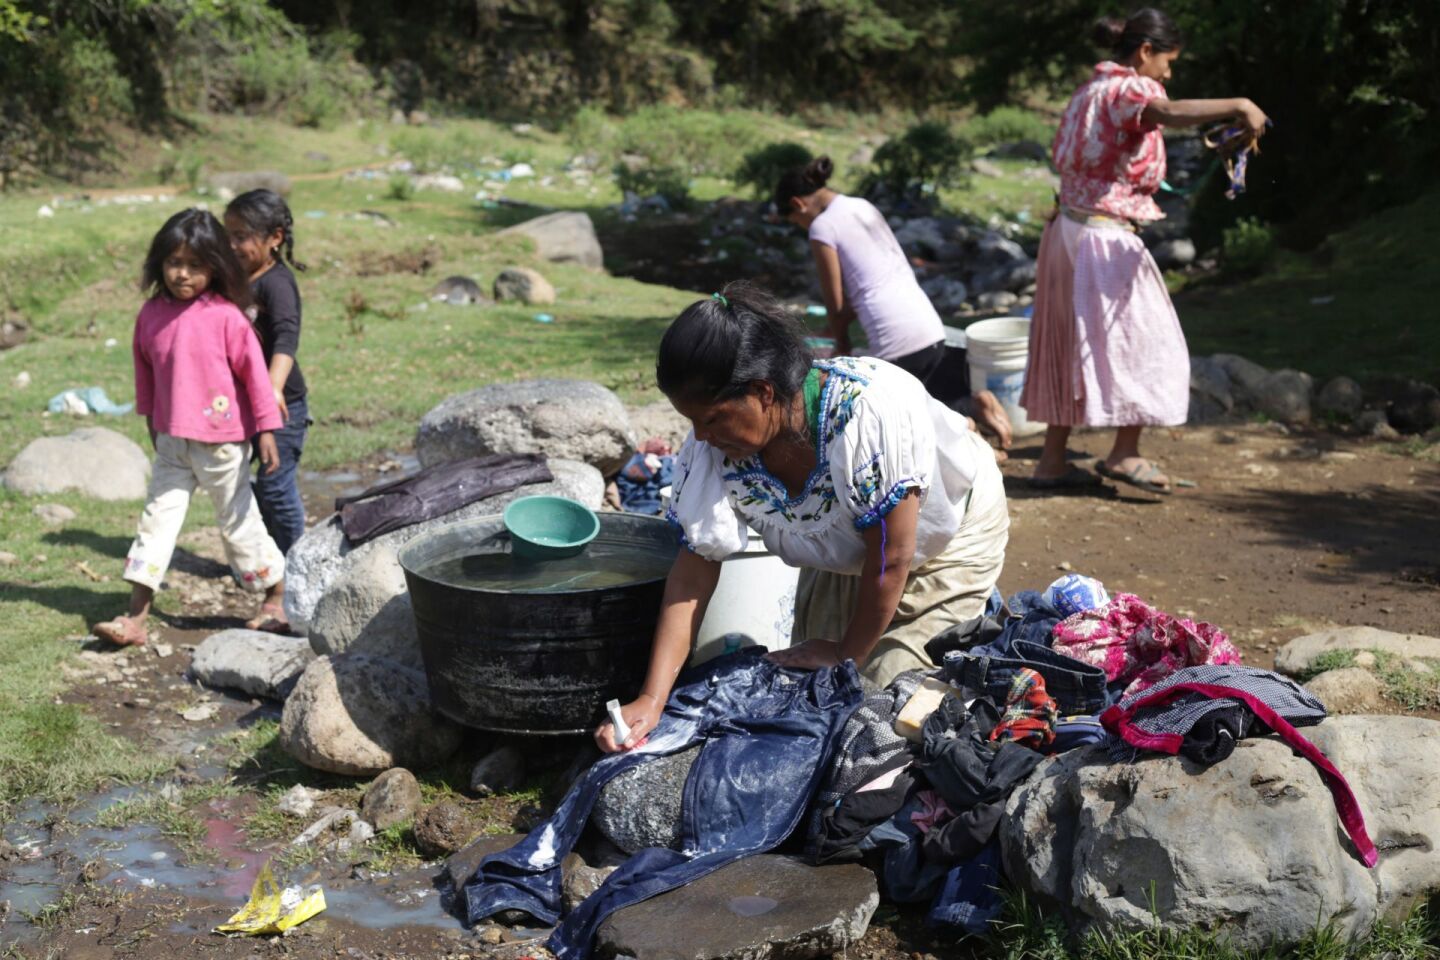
{"points": [[1106, 348], [1110, 161], [933, 811], [1137, 644]]}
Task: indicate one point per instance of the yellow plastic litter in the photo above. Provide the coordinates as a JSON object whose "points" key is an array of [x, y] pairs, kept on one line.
{"points": [[273, 910]]}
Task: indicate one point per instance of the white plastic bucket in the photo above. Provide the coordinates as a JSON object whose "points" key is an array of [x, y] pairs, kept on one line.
{"points": [[755, 598], [997, 352]]}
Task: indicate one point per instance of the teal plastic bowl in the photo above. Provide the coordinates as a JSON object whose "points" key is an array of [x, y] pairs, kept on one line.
{"points": [[549, 528]]}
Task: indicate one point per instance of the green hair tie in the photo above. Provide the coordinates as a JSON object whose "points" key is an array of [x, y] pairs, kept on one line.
{"points": [[721, 298]]}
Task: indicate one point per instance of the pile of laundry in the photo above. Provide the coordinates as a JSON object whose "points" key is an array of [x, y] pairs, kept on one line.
{"points": [[913, 779], [925, 766]]}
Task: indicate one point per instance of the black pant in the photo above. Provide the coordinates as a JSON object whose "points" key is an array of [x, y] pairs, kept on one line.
{"points": [[922, 364]]}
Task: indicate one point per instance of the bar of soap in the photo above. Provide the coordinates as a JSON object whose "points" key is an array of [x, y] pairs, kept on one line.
{"points": [[921, 704]]}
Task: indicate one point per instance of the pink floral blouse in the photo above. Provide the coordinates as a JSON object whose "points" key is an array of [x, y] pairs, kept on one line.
{"points": [[1109, 160]]}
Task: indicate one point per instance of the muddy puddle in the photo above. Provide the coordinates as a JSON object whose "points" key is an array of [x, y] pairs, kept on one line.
{"points": [[56, 848]]}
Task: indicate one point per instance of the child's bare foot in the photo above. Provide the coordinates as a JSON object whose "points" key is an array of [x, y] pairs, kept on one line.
{"points": [[271, 619], [123, 631]]}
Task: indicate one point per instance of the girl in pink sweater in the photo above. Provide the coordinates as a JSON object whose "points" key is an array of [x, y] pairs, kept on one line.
{"points": [[201, 384]]}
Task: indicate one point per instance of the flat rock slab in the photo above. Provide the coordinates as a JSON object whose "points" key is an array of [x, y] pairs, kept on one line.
{"points": [[1298, 657], [259, 663], [764, 907]]}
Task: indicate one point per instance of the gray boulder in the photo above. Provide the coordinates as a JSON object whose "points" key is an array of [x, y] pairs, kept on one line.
{"points": [[945, 293], [996, 301], [564, 237], [240, 182], [1298, 657], [571, 419], [1341, 397], [1348, 690], [1173, 254], [394, 797], [1285, 396], [500, 771], [1416, 409], [320, 557], [1014, 277], [764, 907], [94, 461], [641, 807], [360, 715], [458, 291], [1111, 842], [1210, 396], [258, 663], [993, 249], [922, 236], [1246, 378], [1375, 423], [367, 610], [523, 284]]}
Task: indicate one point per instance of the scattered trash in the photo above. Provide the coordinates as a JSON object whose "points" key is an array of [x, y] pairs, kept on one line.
{"points": [[22, 380], [816, 310], [544, 318], [81, 402], [111, 343], [332, 822], [273, 910], [45, 212], [94, 577], [316, 214], [299, 800], [201, 713], [521, 170]]}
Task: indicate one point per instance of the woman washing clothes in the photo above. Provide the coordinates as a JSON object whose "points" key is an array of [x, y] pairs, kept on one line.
{"points": [[864, 276], [1106, 349], [889, 501]]}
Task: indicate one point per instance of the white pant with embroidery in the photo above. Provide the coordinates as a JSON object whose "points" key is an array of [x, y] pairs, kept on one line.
{"points": [[223, 471]]}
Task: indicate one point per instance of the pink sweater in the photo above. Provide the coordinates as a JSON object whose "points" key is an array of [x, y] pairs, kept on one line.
{"points": [[199, 372]]}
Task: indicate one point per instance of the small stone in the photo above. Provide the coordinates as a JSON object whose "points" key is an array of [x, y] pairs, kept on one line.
{"points": [[393, 797], [442, 828], [53, 514], [299, 800], [201, 713], [1064, 565], [580, 880], [8, 559], [500, 771], [523, 284], [162, 650], [1348, 690], [1365, 659]]}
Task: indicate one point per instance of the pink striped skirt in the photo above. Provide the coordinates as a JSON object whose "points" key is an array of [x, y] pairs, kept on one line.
{"points": [[1106, 349]]}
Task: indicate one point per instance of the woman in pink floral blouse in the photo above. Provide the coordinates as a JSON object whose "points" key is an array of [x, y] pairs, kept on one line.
{"points": [[1106, 349]]}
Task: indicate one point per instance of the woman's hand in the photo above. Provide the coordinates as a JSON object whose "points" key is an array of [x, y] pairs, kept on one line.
{"points": [[1252, 118], [810, 655], [280, 402], [269, 453], [641, 716]]}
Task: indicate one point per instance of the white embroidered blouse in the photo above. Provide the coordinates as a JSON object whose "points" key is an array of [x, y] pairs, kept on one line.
{"points": [[881, 436]]}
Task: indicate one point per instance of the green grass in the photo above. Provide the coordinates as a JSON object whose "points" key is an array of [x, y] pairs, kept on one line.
{"points": [[1410, 688], [1384, 277]]}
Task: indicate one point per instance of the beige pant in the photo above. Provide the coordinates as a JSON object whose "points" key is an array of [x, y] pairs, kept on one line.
{"points": [[223, 471], [949, 589]]}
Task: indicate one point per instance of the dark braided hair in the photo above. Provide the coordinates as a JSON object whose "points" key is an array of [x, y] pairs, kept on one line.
{"points": [[265, 211], [205, 236], [720, 347]]}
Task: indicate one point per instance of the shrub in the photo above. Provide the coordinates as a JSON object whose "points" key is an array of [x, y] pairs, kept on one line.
{"points": [[401, 187], [667, 180], [1247, 247], [1007, 125], [926, 158], [762, 169]]}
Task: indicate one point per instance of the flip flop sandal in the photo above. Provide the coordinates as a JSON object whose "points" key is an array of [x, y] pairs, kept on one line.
{"points": [[1140, 477], [121, 631], [1072, 479], [270, 624]]}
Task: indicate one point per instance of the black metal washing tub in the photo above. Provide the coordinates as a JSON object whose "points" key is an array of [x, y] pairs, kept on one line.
{"points": [[533, 662]]}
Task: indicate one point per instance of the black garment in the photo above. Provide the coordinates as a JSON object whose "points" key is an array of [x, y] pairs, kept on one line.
{"points": [[1213, 736], [436, 491], [277, 321], [923, 363], [962, 838], [962, 764], [843, 827]]}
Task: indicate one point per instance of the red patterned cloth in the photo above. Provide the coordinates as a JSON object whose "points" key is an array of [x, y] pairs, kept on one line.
{"points": [[1139, 645], [1030, 713], [1109, 160]]}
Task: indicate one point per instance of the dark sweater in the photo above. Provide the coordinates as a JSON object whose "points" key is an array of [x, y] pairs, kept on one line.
{"points": [[277, 321]]}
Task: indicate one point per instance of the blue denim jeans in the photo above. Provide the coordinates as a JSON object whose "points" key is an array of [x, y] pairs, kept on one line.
{"points": [[279, 493], [768, 734]]}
